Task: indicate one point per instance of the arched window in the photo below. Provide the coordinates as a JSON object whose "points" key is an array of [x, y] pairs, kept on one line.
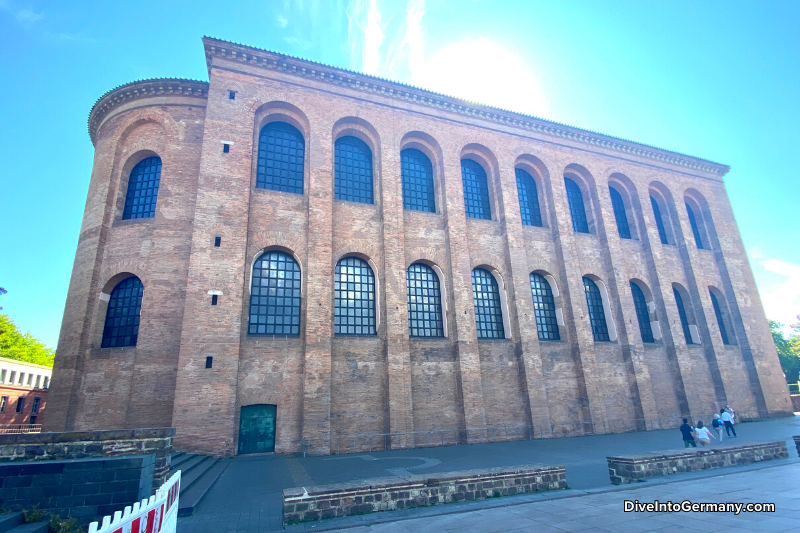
{"points": [[642, 314], [417, 174], [662, 232], [718, 313], [275, 295], [687, 333], [140, 200], [424, 302], [476, 190], [695, 229], [619, 214], [488, 312], [353, 170], [577, 210], [597, 316], [281, 156], [354, 298], [122, 316], [528, 199], [544, 307]]}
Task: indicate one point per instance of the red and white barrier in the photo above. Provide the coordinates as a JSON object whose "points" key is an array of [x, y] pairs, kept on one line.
{"points": [[159, 514]]}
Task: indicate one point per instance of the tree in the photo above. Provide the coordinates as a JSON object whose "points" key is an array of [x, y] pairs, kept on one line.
{"points": [[788, 351], [22, 347]]}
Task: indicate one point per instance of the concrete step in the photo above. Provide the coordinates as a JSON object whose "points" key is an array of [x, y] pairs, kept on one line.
{"points": [[176, 456], [36, 527], [189, 478], [186, 466], [175, 464], [9, 521], [191, 497]]}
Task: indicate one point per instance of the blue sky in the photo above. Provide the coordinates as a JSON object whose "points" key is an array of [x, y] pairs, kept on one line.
{"points": [[717, 80]]}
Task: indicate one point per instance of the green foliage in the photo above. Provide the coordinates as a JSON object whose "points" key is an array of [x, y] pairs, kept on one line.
{"points": [[22, 347], [788, 351], [33, 515], [61, 525]]}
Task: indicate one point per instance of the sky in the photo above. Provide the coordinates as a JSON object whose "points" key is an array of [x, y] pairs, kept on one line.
{"points": [[714, 79]]}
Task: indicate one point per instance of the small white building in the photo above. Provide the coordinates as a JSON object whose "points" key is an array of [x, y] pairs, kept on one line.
{"points": [[22, 374]]}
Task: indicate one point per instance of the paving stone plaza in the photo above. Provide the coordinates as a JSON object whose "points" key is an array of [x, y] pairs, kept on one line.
{"points": [[247, 497]]}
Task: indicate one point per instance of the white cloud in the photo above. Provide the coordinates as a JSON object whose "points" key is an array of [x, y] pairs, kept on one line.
{"points": [[24, 16], [782, 302], [282, 21], [482, 71], [373, 39], [414, 37]]}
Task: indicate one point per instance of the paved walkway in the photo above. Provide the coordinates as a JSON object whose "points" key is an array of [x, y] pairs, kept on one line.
{"points": [[247, 497], [605, 511]]}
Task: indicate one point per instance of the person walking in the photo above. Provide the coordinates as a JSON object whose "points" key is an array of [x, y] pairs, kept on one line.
{"points": [[718, 425], [726, 419], [733, 414], [704, 436], [687, 432]]}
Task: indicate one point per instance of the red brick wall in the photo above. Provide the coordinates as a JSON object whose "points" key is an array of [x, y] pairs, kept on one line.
{"points": [[328, 387], [9, 415]]}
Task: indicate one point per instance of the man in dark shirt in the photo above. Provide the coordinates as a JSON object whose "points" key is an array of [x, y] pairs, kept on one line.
{"points": [[686, 430]]}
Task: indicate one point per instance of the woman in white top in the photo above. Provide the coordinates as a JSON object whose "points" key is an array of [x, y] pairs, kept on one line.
{"points": [[704, 436]]}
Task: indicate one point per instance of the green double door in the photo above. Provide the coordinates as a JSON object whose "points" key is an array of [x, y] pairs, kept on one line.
{"points": [[257, 429]]}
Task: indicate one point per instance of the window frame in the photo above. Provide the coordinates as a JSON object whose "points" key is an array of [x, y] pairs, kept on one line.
{"points": [[137, 315], [487, 204], [441, 306], [412, 151], [156, 188], [299, 281], [573, 204], [618, 206], [545, 323], [344, 195], [502, 331], [642, 314], [287, 127], [534, 204], [375, 298], [592, 301]]}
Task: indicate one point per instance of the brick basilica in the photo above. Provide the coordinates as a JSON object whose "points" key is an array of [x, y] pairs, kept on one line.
{"points": [[292, 257]]}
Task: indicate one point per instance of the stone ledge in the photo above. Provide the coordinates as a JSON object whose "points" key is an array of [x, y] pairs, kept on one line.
{"points": [[624, 469], [797, 443], [305, 504]]}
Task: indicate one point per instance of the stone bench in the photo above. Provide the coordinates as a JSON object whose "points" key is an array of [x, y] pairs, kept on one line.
{"points": [[305, 504], [625, 469]]}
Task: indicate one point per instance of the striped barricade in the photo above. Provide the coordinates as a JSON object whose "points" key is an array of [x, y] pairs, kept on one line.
{"points": [[159, 514]]}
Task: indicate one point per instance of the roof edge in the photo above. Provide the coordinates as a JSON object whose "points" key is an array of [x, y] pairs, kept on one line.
{"points": [[138, 89], [375, 84]]}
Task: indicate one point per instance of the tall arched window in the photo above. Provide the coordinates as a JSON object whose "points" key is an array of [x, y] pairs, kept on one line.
{"points": [[597, 315], [122, 316], [720, 321], [619, 213], [353, 170], [486, 298], [424, 302], [662, 232], [544, 307], [354, 298], [577, 210], [140, 200], [417, 174], [528, 199], [695, 229], [476, 190], [642, 314], [281, 156], [687, 333], [275, 295]]}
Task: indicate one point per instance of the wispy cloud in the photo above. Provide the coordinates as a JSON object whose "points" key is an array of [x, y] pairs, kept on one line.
{"points": [[282, 21], [24, 16], [373, 39], [782, 301]]}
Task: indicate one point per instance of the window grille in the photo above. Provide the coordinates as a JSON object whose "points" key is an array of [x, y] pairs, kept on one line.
{"points": [[281, 156], [354, 298], [528, 199], [353, 170], [275, 295], [597, 315], [718, 312], [3, 403], [424, 302], [417, 174], [486, 299], [662, 232], [122, 317], [476, 190], [682, 313], [619, 214], [20, 404], [140, 200], [544, 307], [642, 314], [577, 210], [35, 407], [695, 229]]}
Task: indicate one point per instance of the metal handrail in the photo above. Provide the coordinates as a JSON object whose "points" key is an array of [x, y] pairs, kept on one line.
{"points": [[20, 428]]}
